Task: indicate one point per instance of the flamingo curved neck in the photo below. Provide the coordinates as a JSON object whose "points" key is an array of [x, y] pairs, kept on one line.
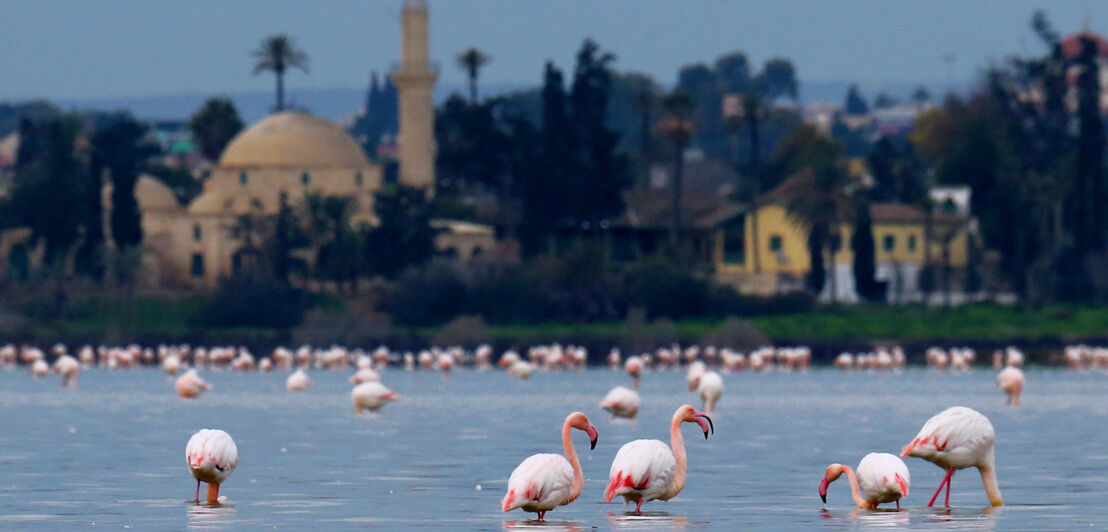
{"points": [[571, 455], [677, 443], [854, 491], [992, 488]]}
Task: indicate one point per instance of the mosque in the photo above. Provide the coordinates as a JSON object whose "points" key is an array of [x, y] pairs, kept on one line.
{"points": [[286, 155]]}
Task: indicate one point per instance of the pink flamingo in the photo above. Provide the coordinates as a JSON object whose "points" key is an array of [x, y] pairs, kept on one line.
{"points": [[882, 477], [543, 482], [1010, 380], [645, 470], [212, 457], [957, 438]]}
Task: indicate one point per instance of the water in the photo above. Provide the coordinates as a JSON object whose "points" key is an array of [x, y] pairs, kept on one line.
{"points": [[110, 454]]}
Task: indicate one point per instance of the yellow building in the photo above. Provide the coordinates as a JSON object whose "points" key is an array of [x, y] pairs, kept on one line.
{"points": [[776, 259]]}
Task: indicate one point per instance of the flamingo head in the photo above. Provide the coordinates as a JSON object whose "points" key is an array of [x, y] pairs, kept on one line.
{"points": [[579, 421], [691, 415], [833, 473]]}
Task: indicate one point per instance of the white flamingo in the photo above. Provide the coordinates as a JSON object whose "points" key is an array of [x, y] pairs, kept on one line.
{"points": [[543, 482], [710, 390], [645, 470], [882, 477], [957, 438], [1010, 379], [68, 368], [212, 457], [190, 385], [622, 402], [372, 395], [298, 381]]}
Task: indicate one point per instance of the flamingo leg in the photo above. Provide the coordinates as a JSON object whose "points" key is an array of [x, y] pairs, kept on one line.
{"points": [[946, 481], [950, 475], [197, 501], [638, 507], [898, 504], [542, 516]]}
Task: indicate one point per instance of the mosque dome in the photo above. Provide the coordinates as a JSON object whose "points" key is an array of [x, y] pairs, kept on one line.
{"points": [[293, 139]]}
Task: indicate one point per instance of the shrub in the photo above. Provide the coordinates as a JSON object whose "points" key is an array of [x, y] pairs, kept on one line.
{"points": [[253, 301], [738, 334], [427, 295], [511, 294], [665, 289]]}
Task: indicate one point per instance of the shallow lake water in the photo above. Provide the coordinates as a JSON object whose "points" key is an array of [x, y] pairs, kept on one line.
{"points": [[110, 453]]}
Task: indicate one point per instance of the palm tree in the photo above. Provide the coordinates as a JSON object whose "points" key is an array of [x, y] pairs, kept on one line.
{"points": [[752, 109], [214, 125], [677, 128], [471, 60], [278, 53]]}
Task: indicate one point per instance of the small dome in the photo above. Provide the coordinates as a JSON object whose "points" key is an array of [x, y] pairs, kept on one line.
{"points": [[152, 195], [293, 140]]}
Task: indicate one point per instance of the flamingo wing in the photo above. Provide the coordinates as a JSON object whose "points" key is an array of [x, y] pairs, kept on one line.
{"points": [[541, 482], [212, 455], [883, 477], [643, 469], [956, 437]]}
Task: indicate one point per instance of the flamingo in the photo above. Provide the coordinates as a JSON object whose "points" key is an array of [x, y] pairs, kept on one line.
{"points": [[696, 370], [67, 367], [543, 482], [298, 381], [883, 477], [645, 470], [191, 385], [622, 402], [365, 375], [710, 389], [633, 365], [39, 368], [212, 456], [372, 395], [1010, 380], [957, 438]]}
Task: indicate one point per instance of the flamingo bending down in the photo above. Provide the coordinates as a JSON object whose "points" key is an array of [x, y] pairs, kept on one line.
{"points": [[543, 482], [1010, 380], [634, 366], [882, 477], [710, 389], [67, 367], [622, 402], [645, 470], [957, 438], [191, 385], [298, 381], [372, 395], [212, 456]]}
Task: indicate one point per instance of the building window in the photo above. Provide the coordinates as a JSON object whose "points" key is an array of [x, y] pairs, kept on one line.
{"points": [[305, 178], [889, 242], [243, 178], [734, 245], [197, 265], [911, 242], [197, 232], [775, 243], [358, 179]]}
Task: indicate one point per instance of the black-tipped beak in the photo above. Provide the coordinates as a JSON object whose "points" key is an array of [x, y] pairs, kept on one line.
{"points": [[592, 443], [593, 436], [823, 496], [711, 426], [823, 489]]}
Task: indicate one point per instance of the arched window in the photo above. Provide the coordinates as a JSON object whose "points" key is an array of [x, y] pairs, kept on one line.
{"points": [[305, 179], [197, 232], [358, 180], [243, 178]]}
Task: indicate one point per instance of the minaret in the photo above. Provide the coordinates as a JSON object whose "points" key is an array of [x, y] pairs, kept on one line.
{"points": [[414, 81]]}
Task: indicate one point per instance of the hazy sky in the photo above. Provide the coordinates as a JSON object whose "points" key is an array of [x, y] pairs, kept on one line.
{"points": [[108, 48]]}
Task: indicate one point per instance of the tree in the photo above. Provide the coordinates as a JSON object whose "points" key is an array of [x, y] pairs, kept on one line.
{"points": [[920, 95], [214, 125], [278, 53], [50, 192], [861, 243], [855, 103], [471, 61], [884, 101], [287, 238], [816, 196], [119, 147], [677, 128], [403, 236]]}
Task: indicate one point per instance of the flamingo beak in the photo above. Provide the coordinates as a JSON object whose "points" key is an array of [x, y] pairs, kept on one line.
{"points": [[705, 426], [593, 436], [823, 489]]}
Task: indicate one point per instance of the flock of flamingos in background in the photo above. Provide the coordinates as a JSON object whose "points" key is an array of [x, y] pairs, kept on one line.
{"points": [[643, 470]]}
